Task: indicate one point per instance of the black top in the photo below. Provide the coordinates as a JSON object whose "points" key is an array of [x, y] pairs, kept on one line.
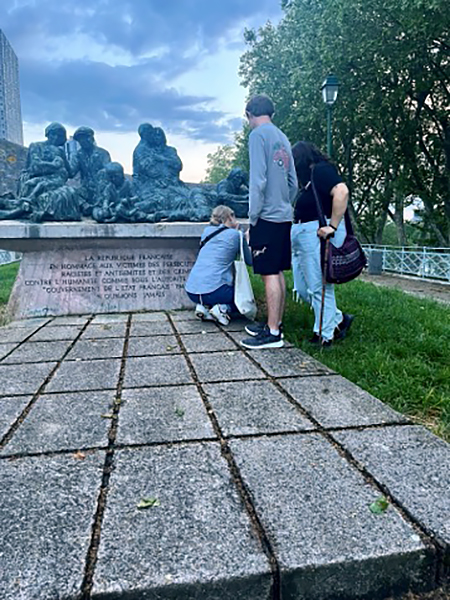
{"points": [[325, 178]]}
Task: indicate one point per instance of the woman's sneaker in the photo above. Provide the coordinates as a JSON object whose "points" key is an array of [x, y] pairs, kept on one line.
{"points": [[202, 313], [219, 312], [342, 329]]}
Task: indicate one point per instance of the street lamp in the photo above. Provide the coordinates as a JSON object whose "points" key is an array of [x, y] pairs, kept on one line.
{"points": [[329, 94]]}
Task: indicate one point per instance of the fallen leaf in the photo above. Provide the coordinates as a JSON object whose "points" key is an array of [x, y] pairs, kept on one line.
{"points": [[380, 506], [108, 416], [179, 412], [170, 348], [148, 503], [79, 455], [106, 327]]}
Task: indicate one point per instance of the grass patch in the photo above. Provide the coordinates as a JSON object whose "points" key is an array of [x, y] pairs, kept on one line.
{"points": [[8, 275], [398, 348]]}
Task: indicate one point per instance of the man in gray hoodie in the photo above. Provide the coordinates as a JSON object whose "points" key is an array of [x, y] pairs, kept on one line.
{"points": [[273, 188]]}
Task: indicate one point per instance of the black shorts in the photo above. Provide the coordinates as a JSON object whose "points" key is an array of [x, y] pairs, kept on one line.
{"points": [[271, 247]]}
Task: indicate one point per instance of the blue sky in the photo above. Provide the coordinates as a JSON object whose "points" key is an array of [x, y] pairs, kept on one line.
{"points": [[112, 64]]}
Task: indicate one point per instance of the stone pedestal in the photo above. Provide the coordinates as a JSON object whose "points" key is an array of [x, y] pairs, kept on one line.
{"points": [[82, 268]]}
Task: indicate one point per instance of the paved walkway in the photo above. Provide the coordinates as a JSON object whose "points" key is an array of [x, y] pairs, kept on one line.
{"points": [[255, 470], [422, 288]]}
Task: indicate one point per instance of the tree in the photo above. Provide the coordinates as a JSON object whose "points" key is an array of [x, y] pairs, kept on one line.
{"points": [[220, 164], [391, 120]]}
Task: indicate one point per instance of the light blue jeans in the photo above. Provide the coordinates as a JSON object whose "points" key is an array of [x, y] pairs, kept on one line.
{"points": [[307, 273]]}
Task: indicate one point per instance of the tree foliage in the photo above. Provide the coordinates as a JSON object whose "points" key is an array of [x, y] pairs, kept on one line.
{"points": [[220, 163], [391, 121]]}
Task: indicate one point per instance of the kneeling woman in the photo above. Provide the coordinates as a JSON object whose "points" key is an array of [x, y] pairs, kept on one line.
{"points": [[210, 283], [315, 169]]}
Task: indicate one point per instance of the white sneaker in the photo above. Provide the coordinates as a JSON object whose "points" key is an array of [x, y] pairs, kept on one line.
{"points": [[202, 313], [220, 314]]}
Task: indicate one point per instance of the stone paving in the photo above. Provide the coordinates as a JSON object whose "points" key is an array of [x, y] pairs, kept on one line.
{"points": [[259, 470]]}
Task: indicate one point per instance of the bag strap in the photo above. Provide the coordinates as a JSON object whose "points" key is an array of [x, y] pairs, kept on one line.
{"points": [[322, 220], [211, 235], [241, 251]]}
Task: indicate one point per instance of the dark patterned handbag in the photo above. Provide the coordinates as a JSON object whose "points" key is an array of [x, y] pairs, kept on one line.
{"points": [[347, 262]]}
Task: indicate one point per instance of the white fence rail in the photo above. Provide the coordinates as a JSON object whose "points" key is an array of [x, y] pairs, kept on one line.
{"points": [[7, 257], [428, 263]]}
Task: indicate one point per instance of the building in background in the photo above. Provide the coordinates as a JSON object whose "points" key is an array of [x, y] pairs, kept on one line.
{"points": [[10, 111]]}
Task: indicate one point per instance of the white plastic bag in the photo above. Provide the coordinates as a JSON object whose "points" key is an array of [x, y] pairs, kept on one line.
{"points": [[243, 291]]}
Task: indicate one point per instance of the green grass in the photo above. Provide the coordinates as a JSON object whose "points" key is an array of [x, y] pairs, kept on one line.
{"points": [[7, 277], [398, 348]]}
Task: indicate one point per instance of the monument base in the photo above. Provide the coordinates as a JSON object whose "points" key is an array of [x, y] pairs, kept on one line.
{"points": [[84, 268]]}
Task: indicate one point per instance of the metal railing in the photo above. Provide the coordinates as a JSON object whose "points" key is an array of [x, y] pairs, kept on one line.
{"points": [[424, 262], [7, 257]]}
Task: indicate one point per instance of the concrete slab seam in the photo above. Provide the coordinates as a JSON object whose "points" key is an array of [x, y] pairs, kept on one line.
{"points": [[428, 540], [91, 557], [237, 478], [20, 419]]}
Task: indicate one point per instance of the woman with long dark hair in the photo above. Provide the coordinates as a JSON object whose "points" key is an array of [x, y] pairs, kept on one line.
{"points": [[315, 168]]}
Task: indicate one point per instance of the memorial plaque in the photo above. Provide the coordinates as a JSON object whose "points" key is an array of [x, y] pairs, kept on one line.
{"points": [[101, 281]]}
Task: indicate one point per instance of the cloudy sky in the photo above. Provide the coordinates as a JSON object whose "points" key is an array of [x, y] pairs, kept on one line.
{"points": [[113, 64]]}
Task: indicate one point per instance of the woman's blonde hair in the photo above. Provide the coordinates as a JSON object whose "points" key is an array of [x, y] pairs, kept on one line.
{"points": [[221, 214]]}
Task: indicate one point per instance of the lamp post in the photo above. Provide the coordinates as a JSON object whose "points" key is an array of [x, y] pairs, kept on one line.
{"points": [[329, 94]]}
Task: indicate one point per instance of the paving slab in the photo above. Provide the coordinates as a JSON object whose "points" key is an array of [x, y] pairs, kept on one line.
{"points": [[35, 322], [110, 318], [33, 352], [69, 320], [10, 335], [151, 317], [414, 465], [17, 380], [148, 346], [254, 407], [237, 325], [212, 342], [10, 411], [150, 328], [46, 513], [285, 362], [156, 370], [86, 375], [6, 348], [189, 326], [167, 414], [49, 334], [315, 509], [198, 544], [183, 315], [105, 330], [86, 349], [336, 402], [70, 421], [224, 366]]}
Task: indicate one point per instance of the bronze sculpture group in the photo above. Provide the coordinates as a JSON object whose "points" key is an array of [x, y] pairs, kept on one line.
{"points": [[59, 185]]}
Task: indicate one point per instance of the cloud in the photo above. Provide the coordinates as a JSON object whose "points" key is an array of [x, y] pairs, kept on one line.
{"points": [[137, 27], [112, 64], [117, 98]]}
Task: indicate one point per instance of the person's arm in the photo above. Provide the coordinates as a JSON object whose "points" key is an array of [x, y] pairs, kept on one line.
{"points": [[339, 195], [258, 177], [292, 181]]}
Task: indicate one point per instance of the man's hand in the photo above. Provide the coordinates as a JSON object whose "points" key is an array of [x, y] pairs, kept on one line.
{"points": [[326, 232]]}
